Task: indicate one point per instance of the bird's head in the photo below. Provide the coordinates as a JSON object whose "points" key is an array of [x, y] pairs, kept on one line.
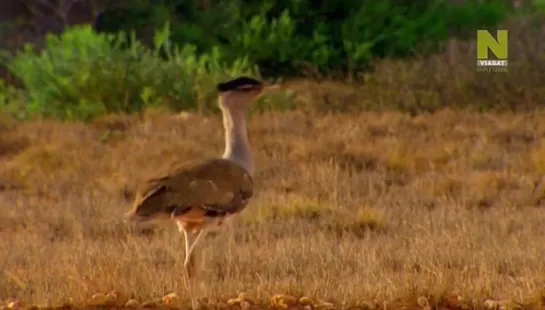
{"points": [[239, 94]]}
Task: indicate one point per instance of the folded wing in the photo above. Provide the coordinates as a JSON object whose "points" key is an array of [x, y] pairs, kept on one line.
{"points": [[214, 188]]}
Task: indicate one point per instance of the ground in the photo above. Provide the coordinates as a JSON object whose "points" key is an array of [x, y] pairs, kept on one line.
{"points": [[369, 209]]}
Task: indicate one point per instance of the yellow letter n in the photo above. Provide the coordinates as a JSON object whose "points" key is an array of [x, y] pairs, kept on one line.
{"points": [[486, 42]]}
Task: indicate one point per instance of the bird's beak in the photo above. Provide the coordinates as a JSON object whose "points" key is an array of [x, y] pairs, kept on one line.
{"points": [[272, 89]]}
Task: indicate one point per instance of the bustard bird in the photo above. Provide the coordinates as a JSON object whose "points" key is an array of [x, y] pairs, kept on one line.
{"points": [[203, 195]]}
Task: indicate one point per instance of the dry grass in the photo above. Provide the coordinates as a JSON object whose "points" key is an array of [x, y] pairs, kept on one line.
{"points": [[349, 208]]}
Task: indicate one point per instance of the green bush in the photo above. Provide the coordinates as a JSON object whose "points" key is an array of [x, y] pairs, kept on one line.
{"points": [[81, 74], [12, 100], [539, 5], [283, 36]]}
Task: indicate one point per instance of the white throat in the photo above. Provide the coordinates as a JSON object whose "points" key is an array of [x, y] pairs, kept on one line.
{"points": [[237, 145]]}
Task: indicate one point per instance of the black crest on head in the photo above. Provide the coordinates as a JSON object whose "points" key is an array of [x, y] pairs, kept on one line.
{"points": [[241, 83]]}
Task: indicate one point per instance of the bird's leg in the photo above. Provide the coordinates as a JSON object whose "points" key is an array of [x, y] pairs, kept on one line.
{"points": [[197, 238], [190, 259], [186, 273], [189, 262], [186, 237]]}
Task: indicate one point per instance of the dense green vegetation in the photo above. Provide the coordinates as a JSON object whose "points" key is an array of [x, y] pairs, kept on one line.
{"points": [[282, 37], [81, 74], [171, 52]]}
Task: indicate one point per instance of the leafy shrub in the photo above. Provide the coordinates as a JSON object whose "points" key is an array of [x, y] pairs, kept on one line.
{"points": [[12, 100], [283, 36], [81, 74], [539, 5]]}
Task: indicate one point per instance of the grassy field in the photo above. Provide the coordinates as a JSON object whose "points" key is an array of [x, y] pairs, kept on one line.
{"points": [[350, 209], [377, 210]]}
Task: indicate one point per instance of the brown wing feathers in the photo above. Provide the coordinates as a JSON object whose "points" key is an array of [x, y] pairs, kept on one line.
{"points": [[218, 187]]}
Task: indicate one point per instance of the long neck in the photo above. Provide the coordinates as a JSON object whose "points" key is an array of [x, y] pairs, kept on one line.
{"points": [[237, 145]]}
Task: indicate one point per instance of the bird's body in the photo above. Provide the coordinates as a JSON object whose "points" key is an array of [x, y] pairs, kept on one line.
{"points": [[198, 195]]}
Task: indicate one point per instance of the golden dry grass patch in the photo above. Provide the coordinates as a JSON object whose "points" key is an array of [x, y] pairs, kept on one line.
{"points": [[351, 209]]}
